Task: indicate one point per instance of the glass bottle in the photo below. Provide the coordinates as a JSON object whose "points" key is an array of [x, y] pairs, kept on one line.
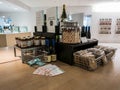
{"points": [[64, 15]]}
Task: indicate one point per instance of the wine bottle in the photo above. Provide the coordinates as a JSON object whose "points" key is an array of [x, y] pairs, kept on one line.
{"points": [[64, 15]]}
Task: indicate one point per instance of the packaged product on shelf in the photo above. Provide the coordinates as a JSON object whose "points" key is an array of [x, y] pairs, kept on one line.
{"points": [[42, 40], [23, 42], [53, 57], [29, 41], [37, 41], [70, 32]]}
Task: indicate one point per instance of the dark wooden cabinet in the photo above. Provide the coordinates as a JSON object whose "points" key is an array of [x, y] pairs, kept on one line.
{"points": [[65, 51]]}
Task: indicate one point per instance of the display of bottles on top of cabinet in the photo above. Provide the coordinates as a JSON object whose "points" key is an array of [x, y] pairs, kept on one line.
{"points": [[50, 45], [85, 32]]}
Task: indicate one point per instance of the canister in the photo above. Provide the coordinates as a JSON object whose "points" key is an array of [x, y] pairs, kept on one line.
{"points": [[23, 42], [53, 57], [42, 40], [29, 41], [37, 41], [47, 58]]}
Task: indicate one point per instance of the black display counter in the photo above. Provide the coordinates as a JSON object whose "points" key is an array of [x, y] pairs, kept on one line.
{"points": [[65, 51]]}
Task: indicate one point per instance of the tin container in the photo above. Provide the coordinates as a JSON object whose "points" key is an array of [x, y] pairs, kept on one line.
{"points": [[47, 58], [53, 57], [29, 41], [37, 41], [23, 42], [42, 40]]}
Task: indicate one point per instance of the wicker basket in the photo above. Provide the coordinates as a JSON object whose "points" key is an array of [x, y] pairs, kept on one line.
{"points": [[91, 58], [109, 52], [71, 36], [70, 32], [88, 62]]}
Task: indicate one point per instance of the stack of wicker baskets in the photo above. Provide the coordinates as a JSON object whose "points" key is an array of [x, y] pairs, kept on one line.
{"points": [[91, 58]]}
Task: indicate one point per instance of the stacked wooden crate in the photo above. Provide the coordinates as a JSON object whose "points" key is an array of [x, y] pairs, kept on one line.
{"points": [[70, 32]]}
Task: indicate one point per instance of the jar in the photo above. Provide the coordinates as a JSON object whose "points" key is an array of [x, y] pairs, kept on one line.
{"points": [[42, 40], [29, 41], [47, 58], [23, 42], [53, 57], [37, 41]]}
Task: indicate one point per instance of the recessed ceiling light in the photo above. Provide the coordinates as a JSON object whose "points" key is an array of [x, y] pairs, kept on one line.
{"points": [[1, 2], [3, 16], [15, 8]]}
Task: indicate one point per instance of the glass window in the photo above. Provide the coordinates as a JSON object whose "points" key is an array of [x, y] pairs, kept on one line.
{"points": [[87, 20]]}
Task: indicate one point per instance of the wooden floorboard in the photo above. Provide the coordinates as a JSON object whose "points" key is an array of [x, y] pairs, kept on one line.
{"points": [[18, 76]]}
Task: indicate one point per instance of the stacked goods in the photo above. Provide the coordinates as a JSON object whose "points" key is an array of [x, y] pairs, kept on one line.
{"points": [[98, 53], [24, 41], [36, 41], [29, 41], [91, 58], [109, 51], [88, 60], [49, 58], [70, 32]]}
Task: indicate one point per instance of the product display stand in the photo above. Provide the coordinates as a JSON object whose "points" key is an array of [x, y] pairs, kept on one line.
{"points": [[65, 51], [29, 53]]}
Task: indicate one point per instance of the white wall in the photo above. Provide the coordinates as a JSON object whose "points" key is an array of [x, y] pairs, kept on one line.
{"points": [[75, 10], [51, 16], [29, 18], [22, 19], [95, 27], [39, 20], [79, 17]]}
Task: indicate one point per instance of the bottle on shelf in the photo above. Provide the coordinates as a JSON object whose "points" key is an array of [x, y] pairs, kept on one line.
{"points": [[64, 15]]}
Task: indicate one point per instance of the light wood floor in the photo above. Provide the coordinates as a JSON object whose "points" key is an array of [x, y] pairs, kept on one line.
{"points": [[7, 55], [18, 76]]}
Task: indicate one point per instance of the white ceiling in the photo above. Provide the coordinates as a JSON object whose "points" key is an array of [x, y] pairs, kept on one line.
{"points": [[50, 3], [23, 5], [13, 6]]}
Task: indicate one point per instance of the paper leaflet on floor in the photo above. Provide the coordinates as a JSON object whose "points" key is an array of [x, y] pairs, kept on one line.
{"points": [[48, 70]]}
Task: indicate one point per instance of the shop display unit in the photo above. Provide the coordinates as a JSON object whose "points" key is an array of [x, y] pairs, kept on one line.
{"points": [[65, 51], [105, 25], [29, 53], [117, 27], [42, 44]]}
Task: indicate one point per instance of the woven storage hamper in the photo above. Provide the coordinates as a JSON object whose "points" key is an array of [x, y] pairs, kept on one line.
{"points": [[88, 62], [109, 51]]}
